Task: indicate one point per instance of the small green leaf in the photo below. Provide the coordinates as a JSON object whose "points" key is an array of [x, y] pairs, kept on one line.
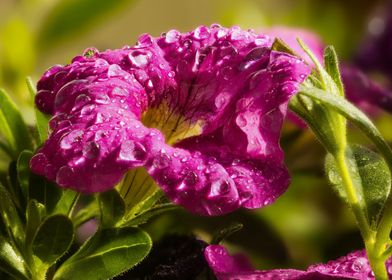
{"points": [[66, 203], [280, 46], [41, 119], [88, 212], [146, 215], [10, 217], [34, 214], [224, 233], [372, 179], [11, 261], [108, 253], [23, 170], [13, 127], [53, 238], [331, 63], [69, 17], [44, 192], [112, 207]]}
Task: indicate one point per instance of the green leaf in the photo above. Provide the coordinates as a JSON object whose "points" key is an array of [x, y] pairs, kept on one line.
{"points": [[69, 17], [44, 192], [12, 262], [146, 215], [372, 179], [41, 119], [332, 67], [34, 214], [224, 233], [66, 202], [280, 46], [88, 212], [350, 112], [108, 253], [10, 217], [112, 207], [13, 127], [53, 238], [23, 170], [325, 125]]}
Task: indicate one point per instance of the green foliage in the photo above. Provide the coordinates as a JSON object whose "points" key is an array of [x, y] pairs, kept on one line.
{"points": [[13, 127], [11, 261], [112, 208], [23, 172], [372, 179], [108, 253], [53, 238], [41, 119]]}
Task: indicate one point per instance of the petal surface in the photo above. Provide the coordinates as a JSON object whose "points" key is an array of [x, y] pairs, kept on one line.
{"points": [[200, 111]]}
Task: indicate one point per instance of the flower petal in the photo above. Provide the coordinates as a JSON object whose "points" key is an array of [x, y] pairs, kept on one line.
{"points": [[353, 266], [226, 82]]}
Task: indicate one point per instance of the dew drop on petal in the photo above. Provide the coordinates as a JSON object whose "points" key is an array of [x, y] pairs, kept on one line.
{"points": [[138, 59], [191, 178], [172, 36], [162, 161], [132, 151], [68, 140], [241, 120], [39, 162], [202, 32], [114, 70], [220, 187], [91, 150], [64, 175]]}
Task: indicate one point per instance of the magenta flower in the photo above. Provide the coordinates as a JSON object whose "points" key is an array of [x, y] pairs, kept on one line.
{"points": [[200, 111], [353, 266]]}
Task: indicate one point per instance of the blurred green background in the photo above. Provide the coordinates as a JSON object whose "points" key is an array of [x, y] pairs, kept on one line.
{"points": [[309, 223]]}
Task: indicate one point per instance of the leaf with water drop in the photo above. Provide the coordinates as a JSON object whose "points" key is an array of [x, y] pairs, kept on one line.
{"points": [[372, 179]]}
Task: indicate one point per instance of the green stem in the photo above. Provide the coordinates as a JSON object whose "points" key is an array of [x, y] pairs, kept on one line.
{"points": [[352, 196]]}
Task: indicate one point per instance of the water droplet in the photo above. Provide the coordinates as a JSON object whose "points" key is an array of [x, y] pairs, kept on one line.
{"points": [[91, 150], [220, 187], [64, 176], [114, 70], [220, 101], [162, 161], [90, 52], [191, 178], [88, 109], [145, 40], [119, 91], [81, 101], [216, 25], [132, 151], [221, 33], [39, 162], [138, 58], [359, 264], [172, 36], [184, 160], [102, 98], [201, 33], [68, 140], [241, 120], [171, 74]]}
